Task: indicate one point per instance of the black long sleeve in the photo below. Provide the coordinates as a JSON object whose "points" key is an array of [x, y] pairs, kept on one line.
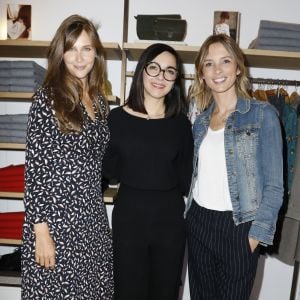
{"points": [[153, 154]]}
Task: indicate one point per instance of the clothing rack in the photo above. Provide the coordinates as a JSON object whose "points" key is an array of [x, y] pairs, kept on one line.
{"points": [[295, 287], [271, 81]]}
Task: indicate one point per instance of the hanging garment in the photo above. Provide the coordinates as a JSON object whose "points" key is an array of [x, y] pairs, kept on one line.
{"points": [[289, 245]]}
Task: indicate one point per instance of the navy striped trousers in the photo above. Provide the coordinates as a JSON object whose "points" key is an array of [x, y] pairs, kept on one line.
{"points": [[221, 264]]}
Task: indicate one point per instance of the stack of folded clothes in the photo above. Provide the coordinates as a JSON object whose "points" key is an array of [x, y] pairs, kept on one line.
{"points": [[11, 225], [20, 76], [13, 128], [280, 36], [12, 178]]}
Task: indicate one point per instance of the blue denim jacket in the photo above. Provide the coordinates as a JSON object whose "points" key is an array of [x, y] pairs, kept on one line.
{"points": [[253, 152]]}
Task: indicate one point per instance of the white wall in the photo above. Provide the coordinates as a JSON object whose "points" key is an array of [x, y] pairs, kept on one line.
{"points": [[273, 278]]}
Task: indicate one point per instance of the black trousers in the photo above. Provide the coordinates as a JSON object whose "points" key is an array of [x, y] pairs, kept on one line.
{"points": [[220, 262], [149, 237]]}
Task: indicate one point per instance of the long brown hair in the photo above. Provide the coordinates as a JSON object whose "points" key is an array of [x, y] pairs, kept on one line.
{"points": [[199, 91], [67, 90]]}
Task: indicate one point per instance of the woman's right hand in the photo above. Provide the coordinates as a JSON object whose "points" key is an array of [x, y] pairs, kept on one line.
{"points": [[44, 246]]}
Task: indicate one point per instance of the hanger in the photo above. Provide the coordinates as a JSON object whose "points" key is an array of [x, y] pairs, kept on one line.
{"points": [[294, 95]]}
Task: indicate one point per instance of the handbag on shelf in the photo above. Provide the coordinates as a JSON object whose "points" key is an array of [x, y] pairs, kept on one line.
{"points": [[161, 27], [11, 261]]}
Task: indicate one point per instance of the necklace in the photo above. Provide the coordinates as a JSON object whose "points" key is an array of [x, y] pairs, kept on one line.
{"points": [[155, 116]]}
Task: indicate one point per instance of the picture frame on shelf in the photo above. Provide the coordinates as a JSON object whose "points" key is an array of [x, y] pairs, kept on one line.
{"points": [[227, 22], [18, 21]]}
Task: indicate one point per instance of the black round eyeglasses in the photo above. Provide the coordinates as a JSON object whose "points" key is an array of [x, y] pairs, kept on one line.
{"points": [[153, 69]]}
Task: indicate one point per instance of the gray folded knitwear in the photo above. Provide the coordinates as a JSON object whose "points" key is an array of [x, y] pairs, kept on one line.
{"points": [[13, 139], [20, 64], [19, 72], [18, 133], [13, 128], [20, 76], [13, 119], [280, 36], [18, 88]]}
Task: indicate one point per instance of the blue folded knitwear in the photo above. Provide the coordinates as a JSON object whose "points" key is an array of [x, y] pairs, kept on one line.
{"points": [[31, 82], [13, 126], [13, 133], [12, 139], [20, 76], [19, 88], [21, 72], [20, 64], [14, 118], [280, 36]]}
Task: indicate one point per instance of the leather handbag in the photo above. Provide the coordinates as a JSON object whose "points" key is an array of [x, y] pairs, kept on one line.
{"points": [[161, 27]]}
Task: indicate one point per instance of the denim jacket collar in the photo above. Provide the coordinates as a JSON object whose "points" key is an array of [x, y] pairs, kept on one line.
{"points": [[242, 106]]}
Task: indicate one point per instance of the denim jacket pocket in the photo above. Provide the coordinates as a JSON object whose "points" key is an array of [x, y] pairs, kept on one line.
{"points": [[246, 139]]}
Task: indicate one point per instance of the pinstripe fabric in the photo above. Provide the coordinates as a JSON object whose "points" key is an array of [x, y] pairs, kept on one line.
{"points": [[221, 265]]}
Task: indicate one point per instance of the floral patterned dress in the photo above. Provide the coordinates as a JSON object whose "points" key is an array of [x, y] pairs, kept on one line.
{"points": [[63, 188]]}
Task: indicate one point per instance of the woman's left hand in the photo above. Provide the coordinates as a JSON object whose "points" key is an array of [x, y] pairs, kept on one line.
{"points": [[253, 244]]}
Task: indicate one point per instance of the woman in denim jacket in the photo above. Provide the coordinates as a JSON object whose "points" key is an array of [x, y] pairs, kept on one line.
{"points": [[237, 184]]}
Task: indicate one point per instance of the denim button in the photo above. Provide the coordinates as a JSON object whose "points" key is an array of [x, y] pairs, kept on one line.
{"points": [[230, 151], [229, 126], [248, 132]]}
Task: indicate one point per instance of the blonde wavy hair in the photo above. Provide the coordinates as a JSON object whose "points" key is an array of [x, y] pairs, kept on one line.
{"points": [[199, 91]]}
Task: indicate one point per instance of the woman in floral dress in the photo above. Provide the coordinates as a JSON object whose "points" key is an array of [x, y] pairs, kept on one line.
{"points": [[67, 251]]}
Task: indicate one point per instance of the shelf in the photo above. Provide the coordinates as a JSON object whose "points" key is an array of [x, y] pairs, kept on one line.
{"points": [[11, 242], [10, 278], [38, 49], [15, 95], [254, 57], [109, 195], [11, 146], [12, 195], [272, 59]]}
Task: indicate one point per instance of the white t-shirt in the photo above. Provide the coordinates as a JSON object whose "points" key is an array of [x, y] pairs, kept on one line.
{"points": [[222, 28], [14, 30], [211, 188]]}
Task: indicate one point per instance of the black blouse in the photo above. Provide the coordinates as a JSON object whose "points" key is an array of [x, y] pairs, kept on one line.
{"points": [[153, 154]]}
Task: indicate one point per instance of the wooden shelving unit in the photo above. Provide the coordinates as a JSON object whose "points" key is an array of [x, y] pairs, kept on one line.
{"points": [[11, 146], [10, 242]]}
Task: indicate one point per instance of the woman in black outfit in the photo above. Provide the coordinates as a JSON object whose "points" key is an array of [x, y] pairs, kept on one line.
{"points": [[150, 154]]}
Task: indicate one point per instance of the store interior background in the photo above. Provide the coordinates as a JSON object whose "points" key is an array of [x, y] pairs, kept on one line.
{"points": [[274, 278]]}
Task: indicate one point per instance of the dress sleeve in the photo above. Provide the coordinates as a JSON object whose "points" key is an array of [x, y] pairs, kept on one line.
{"points": [[185, 160], [38, 160]]}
